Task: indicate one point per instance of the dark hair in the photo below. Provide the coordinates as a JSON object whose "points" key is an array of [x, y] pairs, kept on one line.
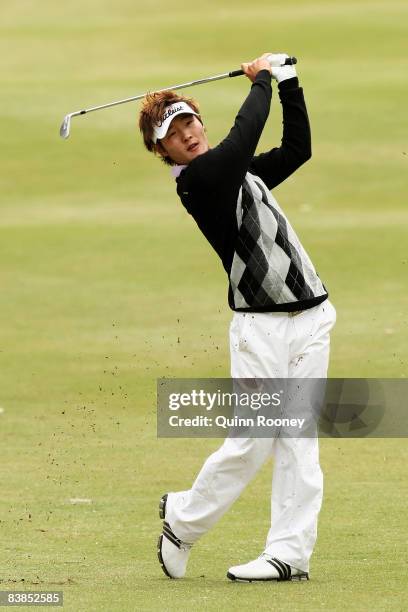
{"points": [[153, 107]]}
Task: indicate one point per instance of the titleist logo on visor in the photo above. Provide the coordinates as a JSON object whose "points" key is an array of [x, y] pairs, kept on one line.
{"points": [[171, 111]]}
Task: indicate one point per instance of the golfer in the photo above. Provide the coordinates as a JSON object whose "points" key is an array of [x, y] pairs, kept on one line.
{"points": [[282, 316]]}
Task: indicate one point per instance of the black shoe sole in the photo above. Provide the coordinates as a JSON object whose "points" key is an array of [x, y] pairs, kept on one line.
{"points": [[162, 515], [162, 507], [297, 578], [160, 556]]}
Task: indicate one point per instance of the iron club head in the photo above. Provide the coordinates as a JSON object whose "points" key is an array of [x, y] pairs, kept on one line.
{"points": [[65, 126]]}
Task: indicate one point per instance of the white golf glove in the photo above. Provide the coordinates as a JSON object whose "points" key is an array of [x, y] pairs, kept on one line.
{"points": [[281, 73]]}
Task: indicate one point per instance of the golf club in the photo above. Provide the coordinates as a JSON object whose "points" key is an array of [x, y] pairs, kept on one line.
{"points": [[274, 60]]}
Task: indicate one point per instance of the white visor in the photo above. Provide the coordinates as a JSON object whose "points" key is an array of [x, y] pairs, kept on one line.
{"points": [[178, 108]]}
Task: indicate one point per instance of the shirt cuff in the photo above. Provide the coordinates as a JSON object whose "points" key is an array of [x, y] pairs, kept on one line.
{"points": [[263, 74], [287, 84]]}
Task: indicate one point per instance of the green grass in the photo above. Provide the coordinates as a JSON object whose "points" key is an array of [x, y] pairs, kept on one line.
{"points": [[107, 285]]}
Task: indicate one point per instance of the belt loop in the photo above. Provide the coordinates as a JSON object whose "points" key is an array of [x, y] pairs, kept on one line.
{"points": [[294, 313]]}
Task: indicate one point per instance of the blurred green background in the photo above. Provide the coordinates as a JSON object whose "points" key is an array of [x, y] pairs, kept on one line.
{"points": [[107, 284]]}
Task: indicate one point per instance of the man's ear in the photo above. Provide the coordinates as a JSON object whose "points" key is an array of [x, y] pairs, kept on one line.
{"points": [[160, 149]]}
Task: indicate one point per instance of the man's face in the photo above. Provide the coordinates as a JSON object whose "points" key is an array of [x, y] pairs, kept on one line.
{"points": [[185, 140]]}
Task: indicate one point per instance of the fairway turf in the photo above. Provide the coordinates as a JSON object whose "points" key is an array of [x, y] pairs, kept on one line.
{"points": [[107, 285]]}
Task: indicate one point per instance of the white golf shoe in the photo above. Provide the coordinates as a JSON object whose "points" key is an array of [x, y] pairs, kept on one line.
{"points": [[172, 552], [265, 568]]}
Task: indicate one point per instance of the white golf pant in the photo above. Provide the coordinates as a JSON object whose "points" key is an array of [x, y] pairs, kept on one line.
{"points": [[266, 345]]}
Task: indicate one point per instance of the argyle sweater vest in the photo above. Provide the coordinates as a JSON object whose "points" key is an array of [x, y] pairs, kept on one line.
{"points": [[270, 267]]}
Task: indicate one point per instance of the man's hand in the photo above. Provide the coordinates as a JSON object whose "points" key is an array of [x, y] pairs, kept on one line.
{"points": [[251, 69], [282, 73]]}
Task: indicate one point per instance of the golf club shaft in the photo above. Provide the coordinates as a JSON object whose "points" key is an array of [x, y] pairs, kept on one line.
{"points": [[217, 77], [172, 88]]}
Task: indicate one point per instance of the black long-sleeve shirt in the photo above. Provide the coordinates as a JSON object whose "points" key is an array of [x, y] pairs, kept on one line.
{"points": [[226, 190]]}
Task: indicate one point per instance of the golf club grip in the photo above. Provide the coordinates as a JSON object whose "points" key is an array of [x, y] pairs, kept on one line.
{"points": [[289, 61]]}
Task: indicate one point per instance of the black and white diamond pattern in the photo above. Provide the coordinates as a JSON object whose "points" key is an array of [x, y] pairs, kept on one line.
{"points": [[270, 266]]}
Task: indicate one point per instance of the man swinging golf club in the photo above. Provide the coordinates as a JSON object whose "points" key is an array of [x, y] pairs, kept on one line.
{"points": [[282, 317]]}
